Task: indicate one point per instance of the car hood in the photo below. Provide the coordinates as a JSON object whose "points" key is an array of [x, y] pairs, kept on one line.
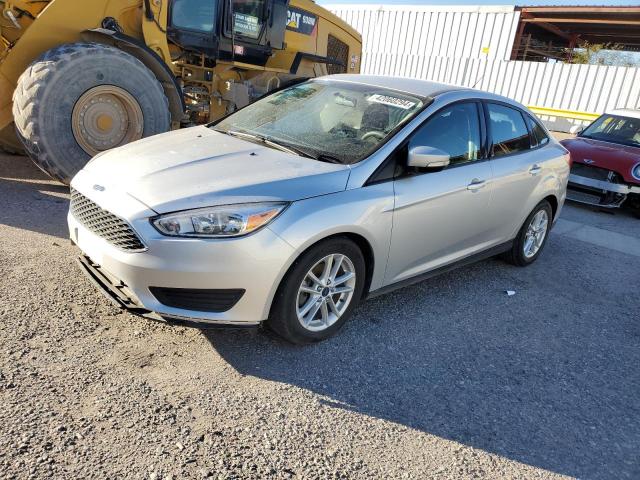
{"points": [[198, 167], [612, 156]]}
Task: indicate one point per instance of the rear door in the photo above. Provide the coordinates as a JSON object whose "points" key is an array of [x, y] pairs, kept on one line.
{"points": [[518, 160], [439, 214]]}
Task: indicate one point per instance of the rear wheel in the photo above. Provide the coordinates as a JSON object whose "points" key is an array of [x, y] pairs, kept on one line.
{"points": [[83, 98], [319, 292], [532, 237]]}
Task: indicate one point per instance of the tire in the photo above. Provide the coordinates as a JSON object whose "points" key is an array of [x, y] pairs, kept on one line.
{"points": [[48, 95], [517, 255], [284, 317]]}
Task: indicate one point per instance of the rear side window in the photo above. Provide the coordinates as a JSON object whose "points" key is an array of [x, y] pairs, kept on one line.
{"points": [[508, 130], [538, 133]]}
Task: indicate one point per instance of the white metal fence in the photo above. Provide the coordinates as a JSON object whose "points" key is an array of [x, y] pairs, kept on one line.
{"points": [[431, 43], [447, 31]]}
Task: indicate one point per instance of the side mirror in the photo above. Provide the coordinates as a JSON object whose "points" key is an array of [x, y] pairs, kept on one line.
{"points": [[427, 157], [576, 130]]}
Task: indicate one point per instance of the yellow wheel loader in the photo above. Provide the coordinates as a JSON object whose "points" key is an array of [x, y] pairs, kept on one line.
{"points": [[79, 77]]}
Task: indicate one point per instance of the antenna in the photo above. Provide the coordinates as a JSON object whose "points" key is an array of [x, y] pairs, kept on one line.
{"points": [[478, 81]]}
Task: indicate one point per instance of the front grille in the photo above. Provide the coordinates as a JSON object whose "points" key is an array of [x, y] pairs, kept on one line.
{"points": [[198, 299], [104, 224], [340, 51], [595, 173]]}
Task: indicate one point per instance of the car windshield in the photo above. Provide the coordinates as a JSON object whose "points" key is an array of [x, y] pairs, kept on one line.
{"points": [[615, 129], [330, 121]]}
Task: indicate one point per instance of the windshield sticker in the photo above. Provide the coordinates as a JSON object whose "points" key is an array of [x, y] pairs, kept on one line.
{"points": [[392, 101], [301, 21]]}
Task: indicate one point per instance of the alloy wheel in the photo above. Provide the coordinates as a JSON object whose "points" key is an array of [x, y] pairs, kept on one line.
{"points": [[325, 292], [536, 233]]}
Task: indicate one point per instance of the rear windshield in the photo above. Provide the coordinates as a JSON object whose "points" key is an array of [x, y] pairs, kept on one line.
{"points": [[332, 120]]}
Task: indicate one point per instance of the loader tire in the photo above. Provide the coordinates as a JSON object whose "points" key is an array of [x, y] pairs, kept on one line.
{"points": [[82, 98]]}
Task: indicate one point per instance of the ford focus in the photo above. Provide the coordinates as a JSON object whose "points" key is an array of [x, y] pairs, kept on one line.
{"points": [[294, 209]]}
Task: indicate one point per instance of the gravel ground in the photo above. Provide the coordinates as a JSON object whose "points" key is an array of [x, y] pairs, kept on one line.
{"points": [[450, 378]]}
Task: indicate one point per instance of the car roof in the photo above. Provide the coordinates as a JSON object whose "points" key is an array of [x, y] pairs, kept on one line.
{"points": [[412, 86], [624, 112], [422, 88]]}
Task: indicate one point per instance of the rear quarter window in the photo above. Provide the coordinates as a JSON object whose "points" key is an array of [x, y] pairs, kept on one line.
{"points": [[538, 132]]}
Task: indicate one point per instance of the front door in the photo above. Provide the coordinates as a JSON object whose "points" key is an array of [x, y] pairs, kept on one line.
{"points": [[438, 215]]}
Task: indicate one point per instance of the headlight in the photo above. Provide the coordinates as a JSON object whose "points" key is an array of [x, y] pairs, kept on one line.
{"points": [[217, 222], [636, 172]]}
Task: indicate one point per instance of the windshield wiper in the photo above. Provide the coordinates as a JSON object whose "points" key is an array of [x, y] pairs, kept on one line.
{"points": [[266, 141], [323, 157]]}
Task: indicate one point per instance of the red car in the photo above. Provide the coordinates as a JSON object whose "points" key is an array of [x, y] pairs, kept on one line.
{"points": [[606, 161]]}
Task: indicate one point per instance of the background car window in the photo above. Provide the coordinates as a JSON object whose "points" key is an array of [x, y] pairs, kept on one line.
{"points": [[248, 16], [616, 129], [510, 134], [539, 135], [454, 130]]}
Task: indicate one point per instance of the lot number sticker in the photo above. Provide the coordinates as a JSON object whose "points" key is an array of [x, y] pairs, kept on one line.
{"points": [[391, 101]]}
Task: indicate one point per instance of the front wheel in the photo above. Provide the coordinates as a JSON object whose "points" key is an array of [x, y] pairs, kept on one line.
{"points": [[532, 237], [319, 292]]}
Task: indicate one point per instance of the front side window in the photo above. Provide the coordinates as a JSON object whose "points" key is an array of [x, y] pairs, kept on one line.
{"points": [[328, 120], [508, 131], [615, 129], [248, 17], [454, 130], [198, 15]]}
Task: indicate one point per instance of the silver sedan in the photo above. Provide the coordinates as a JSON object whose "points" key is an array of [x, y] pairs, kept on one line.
{"points": [[292, 210]]}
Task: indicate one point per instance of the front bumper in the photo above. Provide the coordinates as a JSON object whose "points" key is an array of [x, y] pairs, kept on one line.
{"points": [[254, 264], [598, 192]]}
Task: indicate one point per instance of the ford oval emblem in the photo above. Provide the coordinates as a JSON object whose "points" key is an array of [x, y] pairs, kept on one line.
{"points": [[99, 188]]}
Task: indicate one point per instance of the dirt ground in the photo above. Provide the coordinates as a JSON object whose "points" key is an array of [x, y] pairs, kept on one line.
{"points": [[450, 378]]}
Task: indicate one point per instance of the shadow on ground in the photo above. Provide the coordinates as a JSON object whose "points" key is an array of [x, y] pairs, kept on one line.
{"points": [[546, 377], [30, 199]]}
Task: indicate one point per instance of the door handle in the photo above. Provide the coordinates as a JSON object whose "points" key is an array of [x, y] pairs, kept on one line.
{"points": [[476, 184], [535, 169]]}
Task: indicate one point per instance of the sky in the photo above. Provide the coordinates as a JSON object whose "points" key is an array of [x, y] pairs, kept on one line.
{"points": [[523, 3]]}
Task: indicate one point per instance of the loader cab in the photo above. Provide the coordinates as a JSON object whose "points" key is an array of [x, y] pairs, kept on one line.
{"points": [[242, 30]]}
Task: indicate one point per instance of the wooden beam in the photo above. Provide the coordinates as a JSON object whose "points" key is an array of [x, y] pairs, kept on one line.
{"points": [[604, 21], [517, 41], [551, 28]]}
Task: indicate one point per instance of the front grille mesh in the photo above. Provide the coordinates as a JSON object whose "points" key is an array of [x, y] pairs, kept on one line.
{"points": [[198, 300], [108, 226], [595, 173]]}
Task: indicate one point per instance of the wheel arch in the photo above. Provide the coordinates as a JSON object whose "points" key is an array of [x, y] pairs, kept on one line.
{"points": [[361, 241], [150, 59], [553, 201]]}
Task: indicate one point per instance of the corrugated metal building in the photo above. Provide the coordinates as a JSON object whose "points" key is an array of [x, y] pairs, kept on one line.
{"points": [[472, 46]]}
